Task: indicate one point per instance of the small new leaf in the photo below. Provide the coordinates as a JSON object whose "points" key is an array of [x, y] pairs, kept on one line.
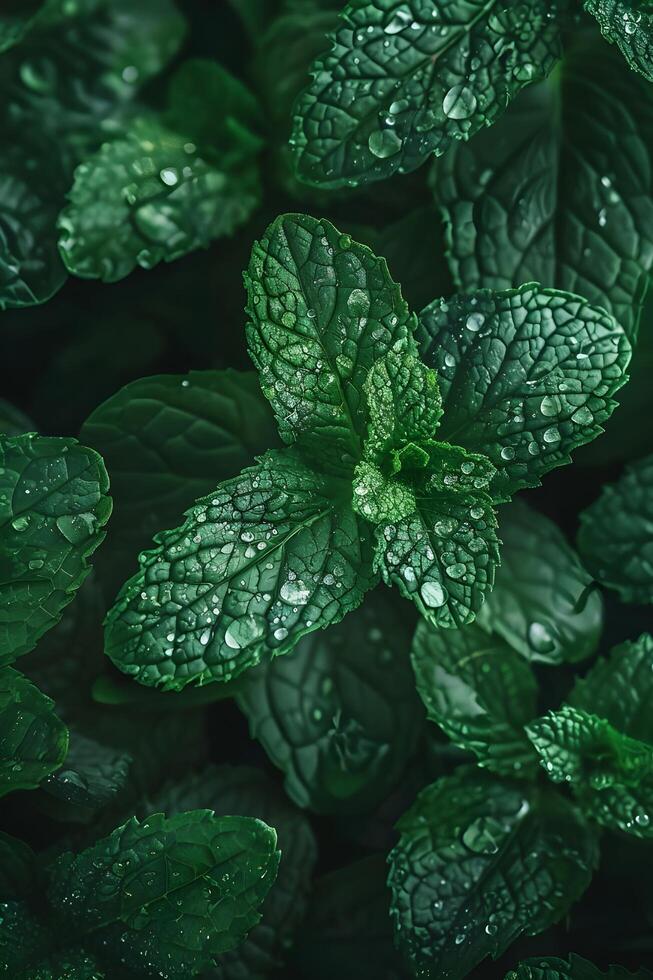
{"points": [[480, 692], [170, 894], [397, 84], [54, 504], [33, 740], [615, 539], [461, 875], [526, 376]]}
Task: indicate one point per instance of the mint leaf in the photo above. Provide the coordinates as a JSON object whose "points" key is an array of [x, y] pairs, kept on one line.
{"points": [[611, 773], [246, 792], [575, 968], [54, 504], [619, 688], [339, 715], [169, 894], [92, 773], [526, 376], [480, 692], [442, 555], [629, 25], [166, 440], [33, 740], [460, 875], [396, 85], [547, 195], [542, 603], [322, 310], [270, 555], [615, 537]]}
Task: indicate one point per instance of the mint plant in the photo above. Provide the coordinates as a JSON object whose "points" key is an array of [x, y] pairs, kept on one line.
{"points": [[365, 490]]}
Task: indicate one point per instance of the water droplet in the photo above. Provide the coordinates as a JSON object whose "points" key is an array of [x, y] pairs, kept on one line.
{"points": [[358, 303], [540, 639], [459, 102], [507, 453], [169, 176], [295, 592], [582, 416], [244, 631], [475, 321], [433, 594], [457, 570], [384, 143]]}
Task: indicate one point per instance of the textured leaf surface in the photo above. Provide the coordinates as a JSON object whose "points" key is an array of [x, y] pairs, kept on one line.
{"points": [[322, 310], [169, 894], [33, 740], [269, 556], [92, 773], [241, 791], [54, 504], [406, 79], [23, 941], [55, 116], [575, 968], [479, 863], [340, 715], [611, 773], [619, 688], [542, 602], [629, 25], [615, 539], [526, 376], [551, 195], [167, 440], [150, 197], [480, 692]]}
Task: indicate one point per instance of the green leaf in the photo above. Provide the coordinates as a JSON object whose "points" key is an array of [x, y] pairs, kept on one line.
{"points": [[480, 692], [17, 868], [463, 872], [150, 197], [339, 716], [166, 440], [241, 791], [396, 85], [629, 25], [15, 20], [168, 894], [619, 688], [575, 968], [55, 115], [33, 740], [270, 555], [611, 773], [322, 310], [542, 603], [549, 195], [92, 774], [54, 504], [444, 553], [615, 539], [23, 942], [526, 375]]}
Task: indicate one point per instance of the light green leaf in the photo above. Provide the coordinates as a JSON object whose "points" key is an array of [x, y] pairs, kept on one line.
{"points": [[270, 555], [166, 440], [629, 25], [615, 539], [542, 603], [575, 968], [322, 310], [611, 773], [619, 688], [168, 894], [480, 692], [340, 716], [92, 773], [443, 555], [462, 874], [54, 504], [548, 196], [526, 376], [150, 197], [33, 740], [241, 791], [403, 81]]}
